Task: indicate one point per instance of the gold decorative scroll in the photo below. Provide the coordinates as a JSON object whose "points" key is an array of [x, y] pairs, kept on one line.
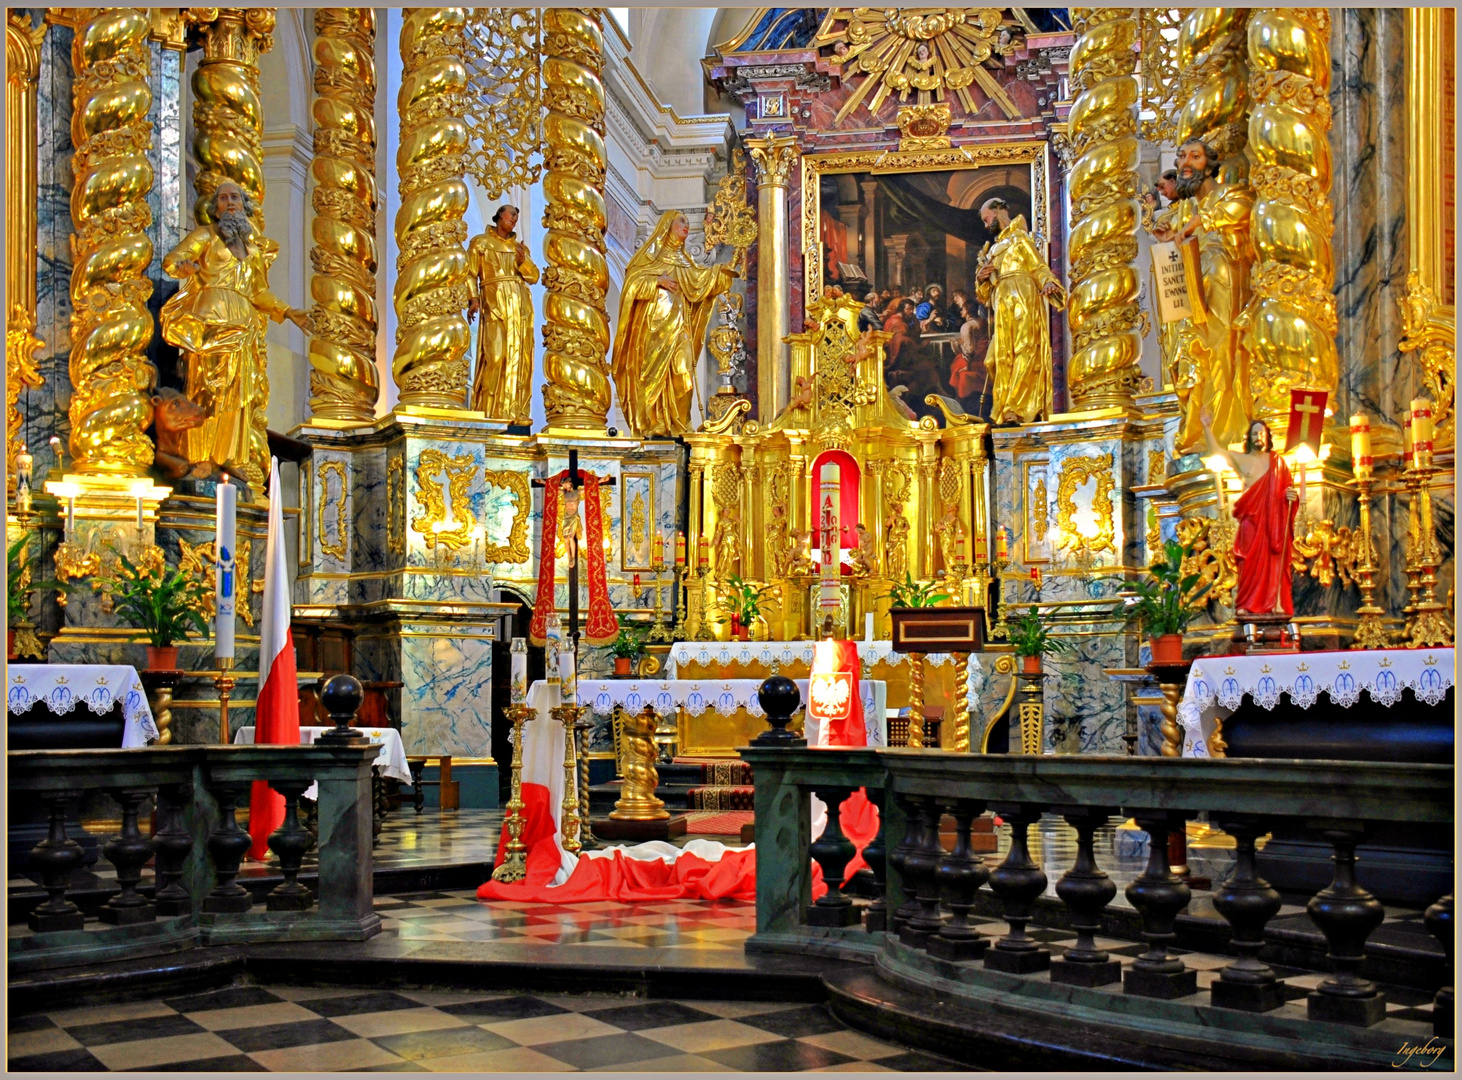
{"points": [[434, 523], [515, 550], [23, 66], [928, 52], [430, 363], [343, 287], [1290, 319], [1430, 330], [198, 562], [1158, 29], [396, 505], [1076, 471], [1105, 316], [504, 97], [575, 325], [730, 219], [335, 548], [1211, 545], [228, 117], [111, 328], [924, 127]]}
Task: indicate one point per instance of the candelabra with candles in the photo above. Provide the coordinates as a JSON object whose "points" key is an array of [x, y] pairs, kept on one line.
{"points": [[702, 614], [1370, 631], [659, 632], [514, 864], [1428, 624], [1001, 630]]}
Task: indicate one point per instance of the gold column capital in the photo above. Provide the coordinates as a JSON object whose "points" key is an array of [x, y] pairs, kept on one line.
{"points": [[774, 156], [236, 35]]}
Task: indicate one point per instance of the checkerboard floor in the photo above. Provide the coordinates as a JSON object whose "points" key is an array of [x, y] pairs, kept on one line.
{"points": [[291, 1029]]}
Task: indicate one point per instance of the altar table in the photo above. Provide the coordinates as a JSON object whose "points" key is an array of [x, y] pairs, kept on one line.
{"points": [[62, 687], [390, 762], [1217, 685]]}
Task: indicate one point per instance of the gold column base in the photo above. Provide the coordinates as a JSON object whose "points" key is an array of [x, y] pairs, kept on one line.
{"points": [[637, 801], [514, 864]]}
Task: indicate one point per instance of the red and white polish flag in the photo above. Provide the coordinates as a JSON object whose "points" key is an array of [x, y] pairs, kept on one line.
{"points": [[277, 714]]}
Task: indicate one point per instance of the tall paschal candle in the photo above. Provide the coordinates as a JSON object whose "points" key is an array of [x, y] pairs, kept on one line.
{"points": [[225, 585]]}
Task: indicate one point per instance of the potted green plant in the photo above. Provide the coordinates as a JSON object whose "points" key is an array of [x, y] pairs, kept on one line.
{"points": [[1032, 640], [162, 602], [626, 649], [914, 594], [1166, 601], [742, 602]]}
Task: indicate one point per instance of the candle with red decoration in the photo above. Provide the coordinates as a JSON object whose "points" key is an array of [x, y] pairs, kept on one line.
{"points": [[1360, 446], [1421, 432], [680, 549], [1036, 576], [1002, 546], [703, 551]]}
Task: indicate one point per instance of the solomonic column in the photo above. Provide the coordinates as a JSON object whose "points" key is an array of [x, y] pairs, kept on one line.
{"points": [[774, 156], [1291, 316], [575, 322], [1105, 368], [343, 346]]}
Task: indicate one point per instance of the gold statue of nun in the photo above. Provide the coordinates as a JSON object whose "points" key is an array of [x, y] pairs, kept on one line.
{"points": [[664, 308]]}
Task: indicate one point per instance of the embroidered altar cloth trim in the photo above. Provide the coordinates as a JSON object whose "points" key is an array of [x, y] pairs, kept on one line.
{"points": [[776, 654], [62, 687], [1222, 682]]}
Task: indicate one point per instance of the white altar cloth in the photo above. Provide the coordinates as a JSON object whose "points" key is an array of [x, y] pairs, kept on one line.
{"points": [[62, 687], [724, 696], [1217, 685], [391, 760], [775, 654]]}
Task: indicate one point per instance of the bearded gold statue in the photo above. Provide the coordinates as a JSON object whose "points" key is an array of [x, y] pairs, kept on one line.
{"points": [[499, 272], [218, 319], [664, 307], [1211, 363], [1015, 283]]}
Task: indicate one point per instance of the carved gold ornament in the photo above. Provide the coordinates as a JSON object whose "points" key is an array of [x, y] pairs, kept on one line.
{"points": [[731, 219], [924, 127], [1211, 100], [1430, 330], [111, 327], [396, 505], [1211, 541], [344, 318], [435, 524], [1157, 466], [515, 550], [1040, 511], [927, 52], [504, 97], [335, 548], [1330, 552], [228, 116], [1076, 471], [1104, 283], [23, 66], [21, 371], [198, 561], [1158, 28], [430, 362]]}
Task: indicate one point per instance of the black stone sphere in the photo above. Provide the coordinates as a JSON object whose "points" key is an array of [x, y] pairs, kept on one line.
{"points": [[342, 696], [779, 699]]}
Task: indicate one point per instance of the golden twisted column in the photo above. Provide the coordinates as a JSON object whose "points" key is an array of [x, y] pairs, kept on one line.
{"points": [[960, 726], [916, 701], [111, 328], [1291, 316], [228, 117], [430, 365], [1104, 211], [23, 65], [575, 324], [1213, 91], [343, 346]]}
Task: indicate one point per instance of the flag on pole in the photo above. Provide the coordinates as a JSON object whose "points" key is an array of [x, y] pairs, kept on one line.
{"points": [[277, 714], [1306, 419]]}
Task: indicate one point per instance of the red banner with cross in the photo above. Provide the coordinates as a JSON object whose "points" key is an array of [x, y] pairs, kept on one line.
{"points": [[1306, 419]]}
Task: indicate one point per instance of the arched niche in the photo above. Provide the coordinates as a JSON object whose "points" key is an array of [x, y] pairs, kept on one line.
{"points": [[850, 477]]}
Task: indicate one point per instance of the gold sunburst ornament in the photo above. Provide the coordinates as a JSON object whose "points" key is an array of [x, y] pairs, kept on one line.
{"points": [[924, 52]]}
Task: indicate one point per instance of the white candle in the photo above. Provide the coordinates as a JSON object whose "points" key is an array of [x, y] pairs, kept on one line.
{"points": [[566, 674], [868, 626], [519, 686], [830, 539], [225, 542]]}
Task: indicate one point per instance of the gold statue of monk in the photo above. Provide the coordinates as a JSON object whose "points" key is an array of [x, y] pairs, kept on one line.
{"points": [[218, 319], [1211, 364], [664, 307], [1015, 283], [499, 271]]}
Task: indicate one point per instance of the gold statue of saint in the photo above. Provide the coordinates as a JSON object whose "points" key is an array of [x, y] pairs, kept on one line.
{"points": [[218, 319], [1211, 363], [1015, 283], [896, 541], [499, 271], [727, 543], [664, 307], [781, 546]]}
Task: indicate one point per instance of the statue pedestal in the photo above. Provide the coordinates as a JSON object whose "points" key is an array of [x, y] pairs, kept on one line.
{"points": [[640, 831]]}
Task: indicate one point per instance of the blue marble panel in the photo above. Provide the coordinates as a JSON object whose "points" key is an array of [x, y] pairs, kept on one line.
{"points": [[446, 704]]}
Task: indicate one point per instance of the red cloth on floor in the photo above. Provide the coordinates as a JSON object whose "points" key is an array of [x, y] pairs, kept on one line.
{"points": [[538, 823]]}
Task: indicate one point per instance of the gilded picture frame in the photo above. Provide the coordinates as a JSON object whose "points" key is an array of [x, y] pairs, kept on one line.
{"points": [[637, 516]]}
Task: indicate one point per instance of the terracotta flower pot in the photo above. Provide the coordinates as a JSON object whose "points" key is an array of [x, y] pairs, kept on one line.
{"points": [[162, 659], [1030, 665], [1167, 649], [622, 665]]}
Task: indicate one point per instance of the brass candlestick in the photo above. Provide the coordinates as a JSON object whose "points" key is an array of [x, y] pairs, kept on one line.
{"points": [[916, 700], [225, 682], [1001, 630], [658, 630], [514, 867], [1370, 631], [703, 621], [1428, 625], [679, 632], [568, 716]]}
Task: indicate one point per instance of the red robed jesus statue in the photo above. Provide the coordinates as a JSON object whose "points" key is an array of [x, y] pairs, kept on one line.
{"points": [[1265, 513]]}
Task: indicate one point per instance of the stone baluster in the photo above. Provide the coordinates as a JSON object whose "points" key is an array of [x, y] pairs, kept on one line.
{"points": [[832, 851], [1086, 890], [1159, 894], [227, 844], [290, 842], [172, 843], [128, 852], [923, 866], [1346, 914], [913, 839], [1248, 902], [959, 876], [1018, 882], [56, 857], [1444, 1009], [875, 854]]}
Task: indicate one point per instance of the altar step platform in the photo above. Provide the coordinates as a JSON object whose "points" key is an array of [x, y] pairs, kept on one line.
{"points": [[695, 785]]}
